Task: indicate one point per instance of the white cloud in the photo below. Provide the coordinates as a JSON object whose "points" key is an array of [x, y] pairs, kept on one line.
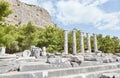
{"points": [[49, 6], [73, 12], [30, 1], [93, 2], [76, 12]]}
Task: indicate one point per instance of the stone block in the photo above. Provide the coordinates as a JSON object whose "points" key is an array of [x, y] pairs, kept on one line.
{"points": [[57, 60], [8, 68], [77, 59], [44, 53], [90, 58], [2, 50], [110, 75], [74, 64], [33, 66], [26, 53]]}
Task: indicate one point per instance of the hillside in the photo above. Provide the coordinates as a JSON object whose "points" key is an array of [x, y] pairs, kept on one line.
{"points": [[23, 13]]}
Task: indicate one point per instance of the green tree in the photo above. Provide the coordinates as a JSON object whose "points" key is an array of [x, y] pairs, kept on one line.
{"points": [[107, 45], [52, 38], [27, 35], [116, 45], [4, 10]]}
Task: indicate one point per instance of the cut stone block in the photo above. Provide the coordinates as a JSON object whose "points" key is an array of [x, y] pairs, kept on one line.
{"points": [[8, 68], [110, 75], [2, 50], [57, 60], [34, 66], [74, 64], [7, 56]]}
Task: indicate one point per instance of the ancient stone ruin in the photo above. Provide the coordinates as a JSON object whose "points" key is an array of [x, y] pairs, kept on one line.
{"points": [[37, 63]]}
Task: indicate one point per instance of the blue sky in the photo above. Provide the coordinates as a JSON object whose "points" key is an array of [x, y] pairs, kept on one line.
{"points": [[93, 16]]}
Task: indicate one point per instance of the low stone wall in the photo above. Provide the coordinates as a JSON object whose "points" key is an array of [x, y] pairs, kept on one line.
{"points": [[76, 72]]}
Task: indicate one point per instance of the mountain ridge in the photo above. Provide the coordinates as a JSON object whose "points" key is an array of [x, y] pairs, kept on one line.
{"points": [[23, 13]]}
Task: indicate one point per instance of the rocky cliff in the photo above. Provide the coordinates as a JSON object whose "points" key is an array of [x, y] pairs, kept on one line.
{"points": [[23, 13]]}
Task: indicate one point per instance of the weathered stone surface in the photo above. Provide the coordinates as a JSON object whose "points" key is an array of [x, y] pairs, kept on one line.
{"points": [[75, 64], [35, 51], [32, 50], [26, 53], [19, 54], [44, 53], [7, 65], [7, 56], [23, 13], [26, 59], [77, 59], [110, 75], [99, 53], [74, 42], [33, 66], [50, 55], [5, 62], [8, 68], [118, 59], [77, 72], [82, 42], [2, 50], [90, 63], [57, 60], [108, 59], [58, 53], [88, 43], [65, 42], [90, 58]]}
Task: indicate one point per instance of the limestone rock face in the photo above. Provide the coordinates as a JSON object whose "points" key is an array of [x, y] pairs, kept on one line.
{"points": [[23, 13]]}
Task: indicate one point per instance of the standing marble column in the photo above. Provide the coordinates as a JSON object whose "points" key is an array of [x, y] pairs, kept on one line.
{"points": [[74, 42], [95, 42], [88, 42], [82, 42], [66, 42]]}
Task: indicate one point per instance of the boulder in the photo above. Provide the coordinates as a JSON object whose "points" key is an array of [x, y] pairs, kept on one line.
{"points": [[77, 59], [50, 55], [74, 64]]}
